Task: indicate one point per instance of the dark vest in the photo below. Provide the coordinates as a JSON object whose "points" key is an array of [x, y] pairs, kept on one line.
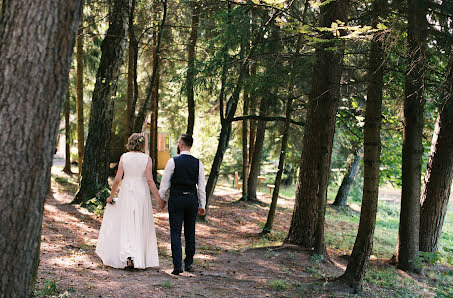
{"points": [[185, 175]]}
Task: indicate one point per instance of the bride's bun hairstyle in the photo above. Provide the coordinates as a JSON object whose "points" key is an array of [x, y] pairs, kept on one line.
{"points": [[136, 142]]}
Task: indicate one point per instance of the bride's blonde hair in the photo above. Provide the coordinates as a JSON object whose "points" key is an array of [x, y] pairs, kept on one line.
{"points": [[136, 142]]}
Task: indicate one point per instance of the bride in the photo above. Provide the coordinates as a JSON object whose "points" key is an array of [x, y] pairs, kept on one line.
{"points": [[127, 237]]}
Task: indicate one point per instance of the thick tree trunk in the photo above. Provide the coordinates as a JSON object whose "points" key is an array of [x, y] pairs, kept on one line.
{"points": [[408, 236], [348, 179], [255, 163], [67, 129], [358, 262], [191, 57], [319, 130], [97, 150], [79, 99], [439, 175], [33, 82]]}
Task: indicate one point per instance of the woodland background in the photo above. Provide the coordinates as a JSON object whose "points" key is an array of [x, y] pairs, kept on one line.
{"points": [[327, 100]]}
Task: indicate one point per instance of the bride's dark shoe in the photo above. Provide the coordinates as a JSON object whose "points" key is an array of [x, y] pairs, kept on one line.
{"points": [[130, 263]]}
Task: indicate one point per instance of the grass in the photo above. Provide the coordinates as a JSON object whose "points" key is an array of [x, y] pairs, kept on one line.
{"points": [[48, 288], [391, 282], [278, 285], [342, 225], [167, 284]]}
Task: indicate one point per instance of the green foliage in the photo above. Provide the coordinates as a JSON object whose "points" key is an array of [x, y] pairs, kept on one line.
{"points": [[279, 285], [97, 204], [48, 288]]}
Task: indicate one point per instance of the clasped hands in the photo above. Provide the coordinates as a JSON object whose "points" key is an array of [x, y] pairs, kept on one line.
{"points": [[161, 205]]}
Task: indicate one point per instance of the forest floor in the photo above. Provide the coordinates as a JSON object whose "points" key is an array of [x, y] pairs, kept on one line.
{"points": [[232, 259]]}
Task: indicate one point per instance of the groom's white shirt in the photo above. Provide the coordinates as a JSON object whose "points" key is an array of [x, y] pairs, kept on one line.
{"points": [[165, 183]]}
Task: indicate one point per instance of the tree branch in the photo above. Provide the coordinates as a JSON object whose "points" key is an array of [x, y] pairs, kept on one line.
{"points": [[265, 118]]}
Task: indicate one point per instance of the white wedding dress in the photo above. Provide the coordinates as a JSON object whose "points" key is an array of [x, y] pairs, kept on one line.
{"points": [[127, 228]]}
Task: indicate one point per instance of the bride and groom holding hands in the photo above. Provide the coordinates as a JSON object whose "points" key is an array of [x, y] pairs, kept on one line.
{"points": [[127, 237]]}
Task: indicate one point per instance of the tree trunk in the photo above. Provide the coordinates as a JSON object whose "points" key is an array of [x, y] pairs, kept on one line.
{"points": [[79, 94], [131, 98], [226, 129], [97, 150], [439, 174], [252, 108], [226, 121], [319, 129], [358, 262], [191, 57], [140, 120], [245, 163], [154, 111], [408, 236], [67, 128], [255, 163], [281, 163], [34, 71], [348, 179]]}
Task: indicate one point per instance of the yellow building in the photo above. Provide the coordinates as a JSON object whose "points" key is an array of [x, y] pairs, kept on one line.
{"points": [[163, 147]]}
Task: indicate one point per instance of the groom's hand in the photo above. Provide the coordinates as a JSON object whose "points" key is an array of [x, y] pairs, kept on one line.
{"points": [[201, 211]]}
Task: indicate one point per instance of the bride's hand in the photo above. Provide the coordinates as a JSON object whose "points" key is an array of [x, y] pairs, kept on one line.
{"points": [[109, 199]]}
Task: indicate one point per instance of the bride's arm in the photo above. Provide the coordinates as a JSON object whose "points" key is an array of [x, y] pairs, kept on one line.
{"points": [[150, 180], [116, 181]]}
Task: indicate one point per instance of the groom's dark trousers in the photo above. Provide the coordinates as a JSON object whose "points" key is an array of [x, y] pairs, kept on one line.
{"points": [[183, 208]]}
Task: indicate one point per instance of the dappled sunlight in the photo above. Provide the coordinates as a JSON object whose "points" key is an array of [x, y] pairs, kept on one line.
{"points": [[231, 254]]}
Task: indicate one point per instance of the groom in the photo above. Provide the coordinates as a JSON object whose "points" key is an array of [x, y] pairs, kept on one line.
{"points": [[184, 175]]}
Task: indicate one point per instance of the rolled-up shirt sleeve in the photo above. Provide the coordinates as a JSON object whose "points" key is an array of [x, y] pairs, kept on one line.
{"points": [[201, 187], [166, 178]]}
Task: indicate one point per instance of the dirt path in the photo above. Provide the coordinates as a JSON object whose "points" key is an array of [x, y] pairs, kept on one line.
{"points": [[223, 266], [231, 260]]}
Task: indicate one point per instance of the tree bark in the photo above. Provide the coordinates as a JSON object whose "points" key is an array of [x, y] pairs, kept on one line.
{"points": [[358, 262], [97, 150], [255, 163], [34, 71], [245, 163], [439, 174], [348, 179], [319, 130], [79, 94], [67, 128], [154, 111], [252, 109], [191, 57], [408, 236]]}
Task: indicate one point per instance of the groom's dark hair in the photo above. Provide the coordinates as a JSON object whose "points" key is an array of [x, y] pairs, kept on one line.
{"points": [[187, 139]]}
